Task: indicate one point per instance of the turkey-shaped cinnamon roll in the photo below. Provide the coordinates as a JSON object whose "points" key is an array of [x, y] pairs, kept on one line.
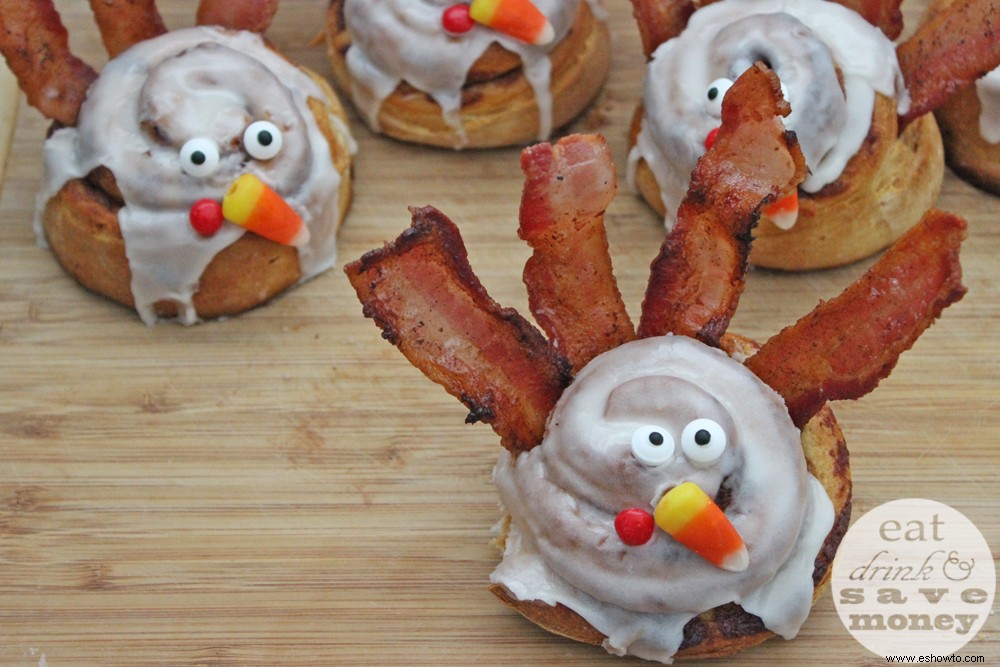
{"points": [[468, 75], [858, 108], [199, 175]]}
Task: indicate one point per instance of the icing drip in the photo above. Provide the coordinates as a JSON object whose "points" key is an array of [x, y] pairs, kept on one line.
{"points": [[563, 497], [988, 89], [808, 43], [402, 40], [200, 82]]}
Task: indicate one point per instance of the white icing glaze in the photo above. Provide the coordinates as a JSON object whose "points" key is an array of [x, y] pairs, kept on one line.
{"points": [[806, 42], [403, 40], [198, 82], [988, 89], [563, 497]]}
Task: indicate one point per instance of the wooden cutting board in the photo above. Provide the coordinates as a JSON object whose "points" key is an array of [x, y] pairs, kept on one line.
{"points": [[282, 488]]}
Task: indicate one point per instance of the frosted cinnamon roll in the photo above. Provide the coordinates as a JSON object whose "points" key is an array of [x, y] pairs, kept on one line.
{"points": [[439, 73], [867, 183], [639, 422], [202, 175]]}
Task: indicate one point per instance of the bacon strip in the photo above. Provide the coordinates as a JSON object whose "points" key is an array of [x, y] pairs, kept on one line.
{"points": [[35, 43], [422, 293], [883, 14], [845, 346], [126, 22], [953, 49], [572, 290], [252, 15], [697, 278], [660, 20]]}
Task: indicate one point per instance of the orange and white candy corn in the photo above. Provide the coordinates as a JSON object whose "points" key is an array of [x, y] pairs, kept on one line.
{"points": [[251, 204], [784, 212], [688, 515], [520, 19]]}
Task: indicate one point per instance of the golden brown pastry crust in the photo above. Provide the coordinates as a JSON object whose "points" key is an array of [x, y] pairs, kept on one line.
{"points": [[81, 227], [966, 152], [498, 103], [728, 629], [884, 190]]}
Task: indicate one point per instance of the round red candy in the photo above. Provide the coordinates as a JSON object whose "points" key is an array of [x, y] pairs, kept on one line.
{"points": [[710, 139], [456, 19], [634, 526], [206, 216]]}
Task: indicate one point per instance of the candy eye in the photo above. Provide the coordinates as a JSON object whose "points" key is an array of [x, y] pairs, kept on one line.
{"points": [[652, 445], [703, 441], [199, 157], [262, 140], [713, 96]]}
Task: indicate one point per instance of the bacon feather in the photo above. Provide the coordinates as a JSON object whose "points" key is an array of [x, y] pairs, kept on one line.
{"points": [[660, 20], [953, 49], [698, 276], [845, 346], [572, 291], [35, 43], [126, 22], [422, 293], [252, 15]]}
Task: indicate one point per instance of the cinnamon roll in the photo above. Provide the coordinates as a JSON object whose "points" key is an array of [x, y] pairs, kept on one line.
{"points": [[174, 121], [414, 76], [867, 182]]}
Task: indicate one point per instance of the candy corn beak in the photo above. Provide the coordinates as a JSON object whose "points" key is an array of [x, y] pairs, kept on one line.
{"points": [[520, 19], [251, 204], [784, 212], [688, 515]]}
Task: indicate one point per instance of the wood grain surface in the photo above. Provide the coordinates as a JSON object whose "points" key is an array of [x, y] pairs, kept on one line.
{"points": [[282, 488]]}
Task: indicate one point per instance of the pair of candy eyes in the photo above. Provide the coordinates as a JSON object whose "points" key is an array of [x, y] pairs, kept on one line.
{"points": [[200, 156], [703, 441]]}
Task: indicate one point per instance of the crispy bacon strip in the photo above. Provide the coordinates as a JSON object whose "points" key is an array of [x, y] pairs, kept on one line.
{"points": [[660, 20], [35, 43], [697, 278], [252, 15], [422, 293], [883, 14], [572, 290], [845, 346], [126, 22], [953, 49]]}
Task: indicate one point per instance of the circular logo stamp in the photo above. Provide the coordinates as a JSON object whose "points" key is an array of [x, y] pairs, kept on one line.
{"points": [[913, 577]]}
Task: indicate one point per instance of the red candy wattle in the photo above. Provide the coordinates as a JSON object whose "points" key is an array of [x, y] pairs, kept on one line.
{"points": [[456, 19], [206, 216], [710, 138], [634, 526]]}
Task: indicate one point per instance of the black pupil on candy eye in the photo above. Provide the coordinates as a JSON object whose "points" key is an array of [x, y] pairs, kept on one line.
{"points": [[702, 437], [198, 157], [713, 92], [264, 138], [655, 438]]}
